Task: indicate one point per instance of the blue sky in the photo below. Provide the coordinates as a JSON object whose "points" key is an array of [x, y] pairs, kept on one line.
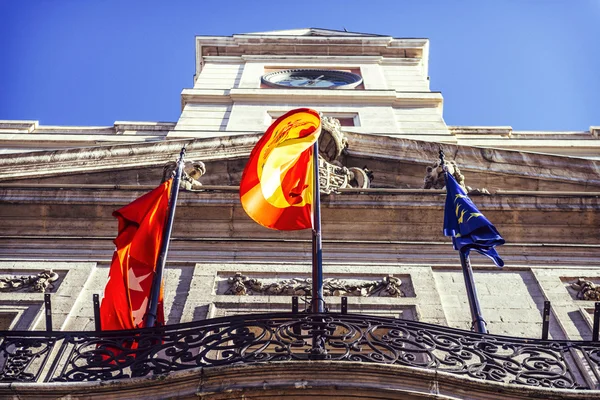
{"points": [[530, 64]]}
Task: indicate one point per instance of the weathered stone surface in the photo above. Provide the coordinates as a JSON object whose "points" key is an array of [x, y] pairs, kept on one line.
{"points": [[292, 380], [56, 204]]}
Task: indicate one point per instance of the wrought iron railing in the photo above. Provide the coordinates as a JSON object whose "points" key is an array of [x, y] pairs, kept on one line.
{"points": [[95, 356]]}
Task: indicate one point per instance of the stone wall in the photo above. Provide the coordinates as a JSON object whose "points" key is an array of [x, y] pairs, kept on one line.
{"points": [[512, 299]]}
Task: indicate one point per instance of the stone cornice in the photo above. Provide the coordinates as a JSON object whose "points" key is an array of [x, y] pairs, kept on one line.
{"points": [[19, 126], [347, 60], [583, 172], [340, 45], [74, 161], [341, 40], [478, 159], [262, 95], [33, 127]]}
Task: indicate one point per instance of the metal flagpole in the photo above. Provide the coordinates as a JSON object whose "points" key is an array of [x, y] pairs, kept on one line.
{"points": [[318, 303], [164, 245], [478, 323]]}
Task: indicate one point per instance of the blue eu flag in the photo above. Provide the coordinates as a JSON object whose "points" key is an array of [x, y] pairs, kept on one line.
{"points": [[469, 228]]}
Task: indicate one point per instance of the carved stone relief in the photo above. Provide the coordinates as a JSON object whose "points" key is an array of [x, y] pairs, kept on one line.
{"points": [[586, 290], [41, 282], [435, 178], [241, 285], [333, 142], [332, 174], [192, 171]]}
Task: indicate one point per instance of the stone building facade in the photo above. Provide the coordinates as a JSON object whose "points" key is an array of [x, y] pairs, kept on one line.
{"points": [[382, 241]]}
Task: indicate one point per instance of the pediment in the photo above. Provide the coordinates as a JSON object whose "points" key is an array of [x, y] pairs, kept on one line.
{"points": [[396, 163]]}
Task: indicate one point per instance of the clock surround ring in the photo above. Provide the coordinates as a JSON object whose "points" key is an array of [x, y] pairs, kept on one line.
{"points": [[350, 80]]}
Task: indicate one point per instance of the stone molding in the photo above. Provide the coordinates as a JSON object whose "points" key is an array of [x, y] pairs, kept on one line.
{"points": [[118, 127], [258, 95], [315, 379], [70, 161], [391, 149], [481, 130], [17, 125], [478, 159]]}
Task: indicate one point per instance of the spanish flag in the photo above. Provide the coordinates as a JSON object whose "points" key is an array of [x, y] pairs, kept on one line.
{"points": [[277, 185]]}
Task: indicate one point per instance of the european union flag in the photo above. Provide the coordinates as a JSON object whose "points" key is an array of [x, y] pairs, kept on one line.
{"points": [[469, 228]]}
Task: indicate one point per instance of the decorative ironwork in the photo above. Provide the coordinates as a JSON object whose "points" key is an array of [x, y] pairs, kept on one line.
{"points": [[586, 290], [23, 356], [40, 283], [242, 285], [95, 356]]}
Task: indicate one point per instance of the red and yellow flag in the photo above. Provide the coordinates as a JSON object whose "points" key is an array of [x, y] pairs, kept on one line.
{"points": [[277, 185], [127, 292]]}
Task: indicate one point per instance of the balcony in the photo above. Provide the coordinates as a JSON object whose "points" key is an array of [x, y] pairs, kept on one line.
{"points": [[297, 338]]}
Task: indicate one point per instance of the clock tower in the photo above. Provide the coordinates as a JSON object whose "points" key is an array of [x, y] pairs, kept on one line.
{"points": [[373, 84]]}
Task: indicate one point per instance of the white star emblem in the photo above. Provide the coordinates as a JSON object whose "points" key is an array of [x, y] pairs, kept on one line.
{"points": [[134, 281], [138, 315]]}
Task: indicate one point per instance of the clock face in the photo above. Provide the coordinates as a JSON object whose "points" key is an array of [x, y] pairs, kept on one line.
{"points": [[312, 79]]}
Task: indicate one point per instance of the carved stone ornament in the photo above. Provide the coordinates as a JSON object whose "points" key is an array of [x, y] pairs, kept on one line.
{"points": [[36, 283], [333, 143], [241, 285], [192, 171], [332, 175], [586, 290], [435, 178]]}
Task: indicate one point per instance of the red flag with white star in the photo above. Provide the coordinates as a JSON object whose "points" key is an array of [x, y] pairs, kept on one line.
{"points": [[127, 291]]}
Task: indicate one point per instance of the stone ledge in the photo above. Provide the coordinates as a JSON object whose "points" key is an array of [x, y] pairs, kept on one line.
{"points": [[289, 379], [481, 130], [16, 125]]}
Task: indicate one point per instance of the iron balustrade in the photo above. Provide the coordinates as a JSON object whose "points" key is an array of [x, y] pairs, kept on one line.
{"points": [[98, 356]]}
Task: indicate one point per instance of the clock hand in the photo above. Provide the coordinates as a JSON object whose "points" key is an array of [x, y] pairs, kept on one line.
{"points": [[306, 81], [315, 80]]}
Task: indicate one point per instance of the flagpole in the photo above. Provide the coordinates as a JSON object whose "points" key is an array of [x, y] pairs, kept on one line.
{"points": [[151, 314], [318, 303], [478, 323]]}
